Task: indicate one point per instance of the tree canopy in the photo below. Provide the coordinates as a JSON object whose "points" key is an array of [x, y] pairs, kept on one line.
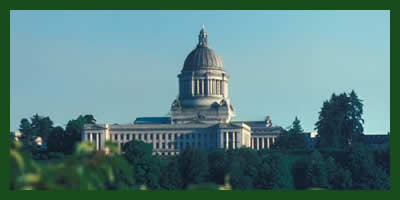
{"points": [[340, 121]]}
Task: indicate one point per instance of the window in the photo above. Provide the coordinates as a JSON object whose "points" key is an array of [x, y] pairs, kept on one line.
{"points": [[127, 137], [94, 136], [157, 145], [140, 136], [176, 135], [163, 145], [169, 136], [163, 136], [88, 136], [151, 136], [122, 137], [157, 136], [169, 145], [145, 136]]}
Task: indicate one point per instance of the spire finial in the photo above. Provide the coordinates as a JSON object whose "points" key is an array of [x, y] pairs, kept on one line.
{"points": [[203, 37]]}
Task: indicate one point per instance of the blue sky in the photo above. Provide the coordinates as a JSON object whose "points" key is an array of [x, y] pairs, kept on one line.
{"points": [[119, 65]]}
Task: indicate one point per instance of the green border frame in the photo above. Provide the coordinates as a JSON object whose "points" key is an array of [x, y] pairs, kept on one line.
{"points": [[192, 5]]}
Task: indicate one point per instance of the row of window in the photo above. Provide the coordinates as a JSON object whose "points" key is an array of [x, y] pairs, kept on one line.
{"points": [[151, 136], [177, 145]]}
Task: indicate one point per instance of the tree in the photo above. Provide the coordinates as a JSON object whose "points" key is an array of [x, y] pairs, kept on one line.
{"points": [[41, 127], [74, 131], [291, 139], [27, 137], [299, 169], [86, 169], [338, 177], [56, 140], [340, 122], [170, 175], [274, 172], [296, 127], [146, 166], [244, 167], [316, 174], [218, 166], [365, 173], [238, 179], [38, 126], [193, 165], [355, 120]]}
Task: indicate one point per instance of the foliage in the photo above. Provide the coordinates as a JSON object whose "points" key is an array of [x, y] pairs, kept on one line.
{"points": [[193, 165], [338, 177], [316, 174], [170, 175], [74, 131], [85, 169], [274, 172], [147, 167], [365, 173], [340, 121], [291, 139], [218, 166], [54, 139]]}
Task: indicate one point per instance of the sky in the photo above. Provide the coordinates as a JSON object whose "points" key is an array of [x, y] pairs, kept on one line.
{"points": [[119, 65]]}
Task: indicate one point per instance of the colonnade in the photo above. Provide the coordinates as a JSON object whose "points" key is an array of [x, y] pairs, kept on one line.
{"points": [[258, 143], [203, 87], [94, 138], [230, 140]]}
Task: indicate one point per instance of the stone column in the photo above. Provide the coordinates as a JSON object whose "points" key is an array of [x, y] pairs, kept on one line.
{"points": [[218, 88], [91, 137], [233, 140], [203, 87], [98, 141], [222, 88], [227, 140], [191, 89], [226, 88], [262, 143], [209, 87], [213, 86], [268, 142]]}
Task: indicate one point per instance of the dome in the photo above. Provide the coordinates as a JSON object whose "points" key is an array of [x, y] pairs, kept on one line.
{"points": [[202, 56]]}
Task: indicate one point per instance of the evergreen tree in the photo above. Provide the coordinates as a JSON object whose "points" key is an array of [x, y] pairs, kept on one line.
{"points": [[340, 121], [291, 139], [296, 127]]}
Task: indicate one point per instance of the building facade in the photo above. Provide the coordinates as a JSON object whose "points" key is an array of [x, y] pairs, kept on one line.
{"points": [[201, 115]]}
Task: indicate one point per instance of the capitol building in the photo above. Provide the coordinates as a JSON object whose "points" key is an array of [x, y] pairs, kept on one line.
{"points": [[201, 116]]}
